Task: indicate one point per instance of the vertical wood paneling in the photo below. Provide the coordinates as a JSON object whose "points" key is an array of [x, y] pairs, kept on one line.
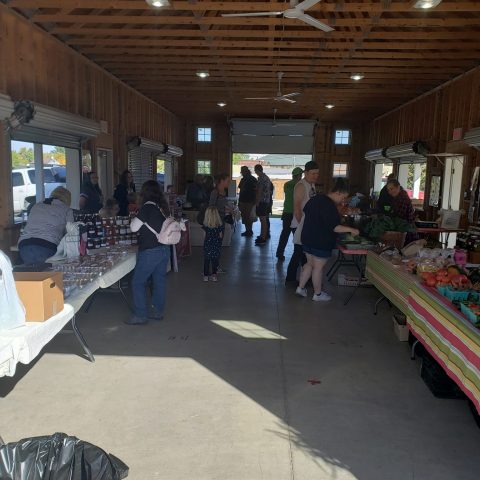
{"points": [[37, 67]]}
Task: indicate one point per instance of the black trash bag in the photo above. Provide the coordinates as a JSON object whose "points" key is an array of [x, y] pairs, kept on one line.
{"points": [[58, 457]]}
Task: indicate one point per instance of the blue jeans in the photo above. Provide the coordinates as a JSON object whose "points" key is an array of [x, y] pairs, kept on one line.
{"points": [[150, 263], [35, 253]]}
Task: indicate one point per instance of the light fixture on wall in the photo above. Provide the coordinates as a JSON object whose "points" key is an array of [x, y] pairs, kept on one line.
{"points": [[425, 4], [222, 104], [329, 106], [203, 73], [357, 76], [158, 3]]}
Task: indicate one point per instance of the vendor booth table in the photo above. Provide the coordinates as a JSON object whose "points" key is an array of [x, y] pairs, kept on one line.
{"points": [[23, 344], [434, 321]]}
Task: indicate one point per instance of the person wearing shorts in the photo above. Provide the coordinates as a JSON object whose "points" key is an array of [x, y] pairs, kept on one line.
{"points": [[322, 224]]}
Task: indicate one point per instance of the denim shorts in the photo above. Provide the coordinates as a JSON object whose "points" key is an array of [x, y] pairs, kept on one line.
{"points": [[317, 252]]}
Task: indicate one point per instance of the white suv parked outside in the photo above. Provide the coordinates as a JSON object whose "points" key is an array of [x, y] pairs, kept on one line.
{"points": [[23, 183]]}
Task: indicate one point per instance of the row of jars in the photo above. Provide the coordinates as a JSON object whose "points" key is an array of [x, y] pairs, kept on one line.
{"points": [[107, 231], [99, 242]]}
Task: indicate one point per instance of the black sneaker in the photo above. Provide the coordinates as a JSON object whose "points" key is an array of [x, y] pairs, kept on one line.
{"points": [[260, 241], [247, 234]]}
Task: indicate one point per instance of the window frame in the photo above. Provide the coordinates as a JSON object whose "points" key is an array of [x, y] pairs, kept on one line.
{"points": [[349, 137], [347, 170], [197, 167], [203, 140]]}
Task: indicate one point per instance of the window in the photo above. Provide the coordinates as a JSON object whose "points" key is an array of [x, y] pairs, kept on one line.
{"points": [[17, 179], [204, 134], [412, 178], [340, 169], [382, 171], [48, 175], [204, 167], [342, 137]]}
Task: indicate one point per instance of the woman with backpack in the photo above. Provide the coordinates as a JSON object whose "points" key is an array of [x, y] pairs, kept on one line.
{"points": [[153, 257]]}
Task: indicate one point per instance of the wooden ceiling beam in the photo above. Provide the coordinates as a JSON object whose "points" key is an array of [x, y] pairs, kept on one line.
{"points": [[463, 34], [421, 53], [377, 7], [281, 44], [160, 19], [266, 69], [268, 72], [205, 62]]}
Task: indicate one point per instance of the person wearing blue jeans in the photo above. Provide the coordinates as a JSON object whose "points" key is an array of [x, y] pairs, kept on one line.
{"points": [[150, 263], [152, 256]]}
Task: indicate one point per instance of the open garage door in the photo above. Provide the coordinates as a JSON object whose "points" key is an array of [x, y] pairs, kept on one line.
{"points": [[267, 136]]}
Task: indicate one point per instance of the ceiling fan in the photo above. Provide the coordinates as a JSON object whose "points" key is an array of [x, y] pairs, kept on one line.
{"points": [[279, 97], [296, 11]]}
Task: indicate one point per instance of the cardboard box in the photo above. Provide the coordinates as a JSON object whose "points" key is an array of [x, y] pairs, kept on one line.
{"points": [[41, 293], [400, 327]]}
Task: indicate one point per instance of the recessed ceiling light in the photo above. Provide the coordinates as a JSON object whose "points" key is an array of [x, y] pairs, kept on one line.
{"points": [[425, 4], [158, 3], [221, 104], [329, 106], [357, 76], [203, 73]]}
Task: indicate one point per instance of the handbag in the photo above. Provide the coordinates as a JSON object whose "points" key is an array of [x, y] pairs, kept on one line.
{"points": [[228, 218]]}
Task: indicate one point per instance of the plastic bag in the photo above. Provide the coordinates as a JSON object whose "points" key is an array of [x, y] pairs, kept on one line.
{"points": [[12, 311], [58, 457]]}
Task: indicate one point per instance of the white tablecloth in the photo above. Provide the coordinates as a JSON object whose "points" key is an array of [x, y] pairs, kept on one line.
{"points": [[23, 344], [109, 278]]}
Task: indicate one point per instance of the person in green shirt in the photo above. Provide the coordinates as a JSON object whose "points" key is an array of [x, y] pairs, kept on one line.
{"points": [[287, 214]]}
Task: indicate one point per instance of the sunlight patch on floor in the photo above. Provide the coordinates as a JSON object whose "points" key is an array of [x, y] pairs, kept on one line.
{"points": [[248, 329]]}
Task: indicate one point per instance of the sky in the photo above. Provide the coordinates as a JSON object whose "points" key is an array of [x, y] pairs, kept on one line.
{"points": [[16, 146]]}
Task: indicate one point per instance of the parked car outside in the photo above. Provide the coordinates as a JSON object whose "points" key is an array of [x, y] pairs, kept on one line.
{"points": [[23, 183]]}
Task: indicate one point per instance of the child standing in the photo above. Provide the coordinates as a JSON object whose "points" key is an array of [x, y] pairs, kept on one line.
{"points": [[212, 245]]}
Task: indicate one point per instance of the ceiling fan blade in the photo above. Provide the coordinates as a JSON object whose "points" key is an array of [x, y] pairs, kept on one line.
{"points": [[252, 14], [293, 94], [283, 99], [306, 4], [315, 23]]}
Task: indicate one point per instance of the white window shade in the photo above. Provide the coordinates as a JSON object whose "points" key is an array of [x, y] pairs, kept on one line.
{"points": [[377, 155], [472, 137], [414, 152], [140, 164], [56, 127], [154, 146], [267, 136]]}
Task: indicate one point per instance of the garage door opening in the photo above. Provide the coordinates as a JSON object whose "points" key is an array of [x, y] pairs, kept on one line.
{"points": [[277, 166]]}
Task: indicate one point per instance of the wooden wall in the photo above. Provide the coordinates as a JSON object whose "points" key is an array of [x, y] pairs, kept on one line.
{"points": [[36, 66], [326, 153], [432, 117]]}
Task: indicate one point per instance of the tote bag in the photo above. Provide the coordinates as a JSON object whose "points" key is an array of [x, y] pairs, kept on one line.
{"points": [[12, 311]]}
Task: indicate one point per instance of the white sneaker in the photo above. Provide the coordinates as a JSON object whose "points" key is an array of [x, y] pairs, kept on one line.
{"points": [[205, 278], [322, 297], [301, 292]]}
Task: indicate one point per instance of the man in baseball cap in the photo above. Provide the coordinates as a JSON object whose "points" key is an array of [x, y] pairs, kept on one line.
{"points": [[287, 215]]}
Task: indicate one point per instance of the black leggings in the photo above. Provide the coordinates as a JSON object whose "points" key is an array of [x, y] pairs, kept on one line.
{"points": [[206, 266]]}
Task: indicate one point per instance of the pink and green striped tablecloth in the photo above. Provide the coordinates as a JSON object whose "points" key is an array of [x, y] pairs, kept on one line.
{"points": [[444, 331]]}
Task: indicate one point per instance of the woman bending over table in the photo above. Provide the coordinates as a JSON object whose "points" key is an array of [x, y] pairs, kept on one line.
{"points": [[322, 224], [153, 257]]}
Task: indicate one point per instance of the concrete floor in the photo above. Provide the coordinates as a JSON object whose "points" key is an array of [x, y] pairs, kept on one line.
{"points": [[188, 398]]}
